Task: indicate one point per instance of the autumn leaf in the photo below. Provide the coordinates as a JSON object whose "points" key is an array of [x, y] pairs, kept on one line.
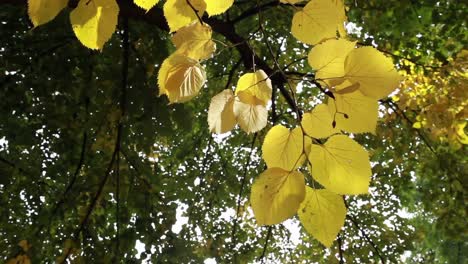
{"points": [[251, 117], [221, 118], [276, 195], [254, 88], [318, 20], [94, 22], [179, 13], [194, 41], [282, 148], [353, 112], [319, 122], [180, 78], [216, 7], [43, 11], [322, 213], [146, 4], [341, 165]]}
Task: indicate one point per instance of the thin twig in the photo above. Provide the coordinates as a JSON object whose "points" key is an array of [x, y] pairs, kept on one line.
{"points": [[265, 246], [194, 10]]}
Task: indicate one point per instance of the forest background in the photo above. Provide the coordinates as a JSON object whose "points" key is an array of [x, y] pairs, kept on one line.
{"points": [[60, 119]]}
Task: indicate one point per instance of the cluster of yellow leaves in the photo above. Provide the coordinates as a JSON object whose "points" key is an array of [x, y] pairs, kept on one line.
{"points": [[21, 258], [358, 77], [439, 98], [246, 107], [94, 21]]}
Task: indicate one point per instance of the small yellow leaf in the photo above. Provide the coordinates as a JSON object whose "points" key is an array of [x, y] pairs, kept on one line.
{"points": [[354, 112], [179, 13], [251, 117], [328, 58], [221, 117], [276, 195], [180, 78], [194, 41], [373, 71], [43, 11], [322, 213], [24, 244], [254, 88], [216, 7], [283, 148], [292, 2], [319, 20], [341, 165], [319, 122], [94, 22], [146, 4]]}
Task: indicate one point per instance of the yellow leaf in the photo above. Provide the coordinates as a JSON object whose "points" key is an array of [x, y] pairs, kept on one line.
{"points": [[322, 213], [24, 244], [221, 117], [276, 195], [319, 20], [354, 112], [254, 88], [373, 71], [146, 4], [328, 58], [179, 13], [180, 78], [318, 123], [283, 148], [251, 117], [216, 7], [194, 41], [94, 22], [43, 11], [341, 165]]}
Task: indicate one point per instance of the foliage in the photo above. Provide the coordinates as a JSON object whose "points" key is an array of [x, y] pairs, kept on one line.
{"points": [[94, 162]]}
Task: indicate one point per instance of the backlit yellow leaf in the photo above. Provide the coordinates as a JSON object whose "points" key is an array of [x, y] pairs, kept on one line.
{"points": [[328, 58], [283, 148], [180, 78], [373, 71], [216, 7], [146, 4], [319, 20], [179, 13], [318, 123], [221, 117], [43, 11], [194, 41], [251, 117], [276, 195], [94, 22], [341, 165], [354, 112], [322, 213], [254, 88]]}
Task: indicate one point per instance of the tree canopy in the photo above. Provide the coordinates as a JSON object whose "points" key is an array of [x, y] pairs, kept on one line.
{"points": [[267, 131]]}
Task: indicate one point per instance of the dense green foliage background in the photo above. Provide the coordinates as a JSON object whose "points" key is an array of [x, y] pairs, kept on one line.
{"points": [[65, 110]]}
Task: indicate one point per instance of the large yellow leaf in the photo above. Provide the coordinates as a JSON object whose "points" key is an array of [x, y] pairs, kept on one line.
{"points": [[341, 165], [94, 22], [373, 71], [283, 148], [319, 122], [194, 41], [216, 7], [322, 213], [146, 4], [328, 58], [276, 195], [319, 20], [361, 112], [254, 88], [43, 11], [180, 78], [251, 117], [221, 117], [178, 13]]}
